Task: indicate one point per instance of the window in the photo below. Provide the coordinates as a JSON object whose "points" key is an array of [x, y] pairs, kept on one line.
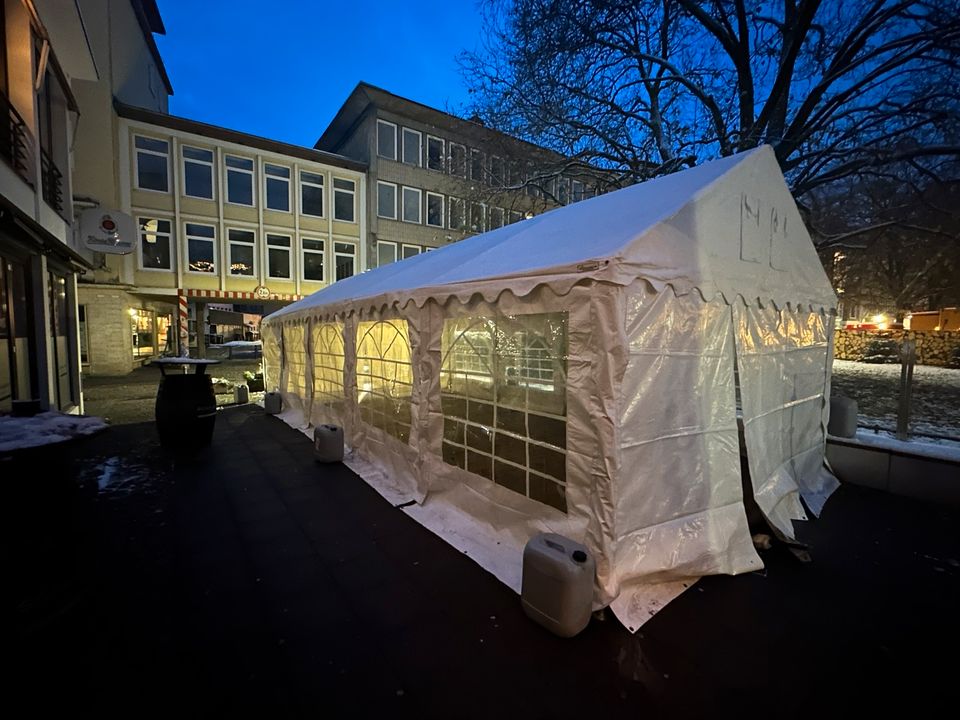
{"points": [[496, 171], [563, 191], [386, 200], [313, 251], [434, 210], [457, 216], [385, 376], [152, 157], [311, 194], [476, 165], [343, 199], [201, 248], [410, 250], [155, 244], [242, 245], [496, 218], [386, 140], [327, 350], [278, 256], [344, 258], [411, 205], [197, 172], [476, 218], [458, 160], [239, 180], [386, 252], [435, 153], [576, 191], [503, 399], [515, 216], [277, 191], [412, 147]]}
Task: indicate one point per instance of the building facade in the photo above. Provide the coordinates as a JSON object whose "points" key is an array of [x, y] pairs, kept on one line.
{"points": [[44, 52], [434, 178], [221, 216]]}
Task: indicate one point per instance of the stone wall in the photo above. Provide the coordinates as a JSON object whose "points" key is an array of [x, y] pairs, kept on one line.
{"points": [[933, 348]]}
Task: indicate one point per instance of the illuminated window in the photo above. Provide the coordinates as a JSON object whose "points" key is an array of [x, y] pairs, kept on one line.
{"points": [[155, 244], [328, 357], [201, 248], [503, 396], [385, 376], [295, 359], [142, 325], [242, 245]]}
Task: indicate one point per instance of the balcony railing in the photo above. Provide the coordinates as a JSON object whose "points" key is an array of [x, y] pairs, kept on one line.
{"points": [[16, 144], [51, 182]]}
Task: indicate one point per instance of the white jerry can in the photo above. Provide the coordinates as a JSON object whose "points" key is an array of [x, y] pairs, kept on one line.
{"points": [[272, 403], [557, 586], [328, 443]]}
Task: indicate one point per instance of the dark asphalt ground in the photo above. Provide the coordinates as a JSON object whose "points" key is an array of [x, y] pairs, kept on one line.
{"points": [[250, 580]]}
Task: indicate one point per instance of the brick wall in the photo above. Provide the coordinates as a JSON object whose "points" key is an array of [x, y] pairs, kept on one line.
{"points": [[933, 348], [109, 340]]}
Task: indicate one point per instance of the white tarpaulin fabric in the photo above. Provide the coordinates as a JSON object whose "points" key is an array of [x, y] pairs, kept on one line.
{"points": [[577, 373]]}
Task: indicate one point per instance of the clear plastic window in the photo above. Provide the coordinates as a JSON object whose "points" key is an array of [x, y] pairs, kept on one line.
{"points": [[504, 400], [385, 376], [295, 359], [328, 354]]}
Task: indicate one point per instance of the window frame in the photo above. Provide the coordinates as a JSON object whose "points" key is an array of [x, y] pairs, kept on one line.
{"points": [[475, 160], [490, 212], [288, 248], [337, 253], [313, 251], [443, 216], [212, 240], [451, 168], [242, 171], [210, 165], [170, 246], [395, 194], [381, 121], [396, 252], [278, 178], [403, 146], [310, 183], [403, 251], [483, 217], [157, 153], [403, 205], [353, 199], [443, 151], [253, 246], [497, 179], [463, 209]]}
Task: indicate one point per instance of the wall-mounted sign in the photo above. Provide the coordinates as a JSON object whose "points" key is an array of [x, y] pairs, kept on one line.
{"points": [[108, 231], [262, 292]]}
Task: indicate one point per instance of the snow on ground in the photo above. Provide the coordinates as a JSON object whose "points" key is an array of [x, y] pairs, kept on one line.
{"points": [[876, 388], [44, 428]]}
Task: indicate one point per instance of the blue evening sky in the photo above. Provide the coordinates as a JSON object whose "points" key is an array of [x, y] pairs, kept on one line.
{"points": [[281, 69]]}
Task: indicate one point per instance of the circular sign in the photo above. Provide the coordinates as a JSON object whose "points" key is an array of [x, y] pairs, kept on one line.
{"points": [[262, 292]]}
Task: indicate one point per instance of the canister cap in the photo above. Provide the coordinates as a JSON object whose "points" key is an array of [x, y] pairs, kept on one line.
{"points": [[580, 556]]}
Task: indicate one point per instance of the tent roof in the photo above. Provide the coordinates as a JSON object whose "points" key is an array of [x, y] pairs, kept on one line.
{"points": [[729, 226]]}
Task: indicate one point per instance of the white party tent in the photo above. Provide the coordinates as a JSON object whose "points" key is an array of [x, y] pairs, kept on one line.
{"points": [[596, 371]]}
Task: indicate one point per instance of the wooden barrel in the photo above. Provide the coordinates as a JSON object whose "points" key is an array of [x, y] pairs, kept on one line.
{"points": [[186, 411]]}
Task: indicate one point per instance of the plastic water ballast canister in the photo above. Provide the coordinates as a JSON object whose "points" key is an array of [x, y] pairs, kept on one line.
{"points": [[241, 394], [328, 443], [557, 586], [843, 417], [272, 403]]}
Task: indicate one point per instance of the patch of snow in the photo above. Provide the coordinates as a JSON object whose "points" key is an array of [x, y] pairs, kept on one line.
{"points": [[948, 450], [44, 428]]}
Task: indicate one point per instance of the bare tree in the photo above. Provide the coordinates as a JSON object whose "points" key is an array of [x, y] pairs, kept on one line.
{"points": [[844, 91]]}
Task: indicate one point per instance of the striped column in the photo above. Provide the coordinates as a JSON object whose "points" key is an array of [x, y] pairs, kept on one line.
{"points": [[183, 317]]}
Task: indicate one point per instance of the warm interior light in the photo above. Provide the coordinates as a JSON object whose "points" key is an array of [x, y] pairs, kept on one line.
{"points": [[881, 318], [133, 312]]}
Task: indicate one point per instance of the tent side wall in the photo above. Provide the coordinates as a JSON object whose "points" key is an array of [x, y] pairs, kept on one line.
{"points": [[501, 411], [680, 511]]}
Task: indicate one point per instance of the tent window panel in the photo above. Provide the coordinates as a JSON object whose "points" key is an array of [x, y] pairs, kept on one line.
{"points": [[503, 397], [328, 360], [295, 359], [385, 376]]}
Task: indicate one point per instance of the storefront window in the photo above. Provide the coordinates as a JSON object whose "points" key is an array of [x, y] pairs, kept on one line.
{"points": [[142, 325]]}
